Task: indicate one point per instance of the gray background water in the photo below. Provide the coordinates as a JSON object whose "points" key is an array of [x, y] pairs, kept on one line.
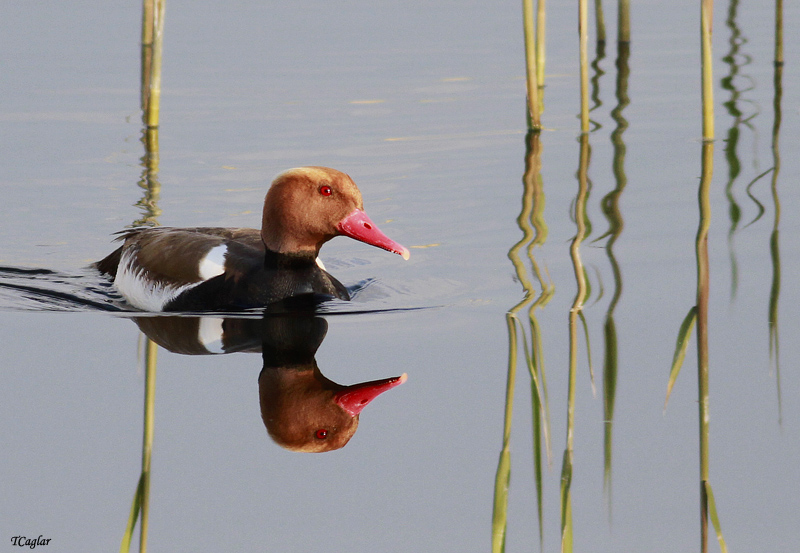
{"points": [[423, 106]]}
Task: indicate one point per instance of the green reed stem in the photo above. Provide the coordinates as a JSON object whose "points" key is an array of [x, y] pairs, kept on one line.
{"points": [[624, 21], [779, 31], [148, 10], [701, 250], [706, 32], [152, 34], [152, 50], [583, 34], [599, 21], [540, 49], [528, 27]]}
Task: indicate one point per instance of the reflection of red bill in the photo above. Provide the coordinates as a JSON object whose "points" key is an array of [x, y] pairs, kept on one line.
{"points": [[354, 398], [359, 226]]}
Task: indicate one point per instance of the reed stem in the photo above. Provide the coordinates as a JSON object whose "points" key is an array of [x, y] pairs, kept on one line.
{"points": [[624, 21], [540, 49], [779, 32], [152, 50], [701, 251], [599, 21], [534, 117], [148, 8], [583, 33], [706, 32]]}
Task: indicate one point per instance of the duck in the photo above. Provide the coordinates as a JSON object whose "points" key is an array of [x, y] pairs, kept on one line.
{"points": [[211, 269]]}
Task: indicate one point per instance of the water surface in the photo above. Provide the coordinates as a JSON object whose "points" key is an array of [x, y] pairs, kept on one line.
{"points": [[423, 107]]}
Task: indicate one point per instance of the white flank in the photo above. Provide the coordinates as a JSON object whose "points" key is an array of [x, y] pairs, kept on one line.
{"points": [[320, 265], [144, 294], [210, 334], [213, 264]]}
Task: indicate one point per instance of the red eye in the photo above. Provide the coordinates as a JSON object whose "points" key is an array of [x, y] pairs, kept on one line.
{"points": [[325, 190], [321, 434]]}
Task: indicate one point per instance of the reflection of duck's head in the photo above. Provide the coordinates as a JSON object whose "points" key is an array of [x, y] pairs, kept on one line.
{"points": [[304, 411], [301, 408]]}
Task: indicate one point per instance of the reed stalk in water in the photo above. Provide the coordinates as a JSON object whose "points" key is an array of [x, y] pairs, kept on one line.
{"points": [[583, 34], [148, 9], [540, 49], [599, 21], [624, 21], [706, 32], [152, 49], [152, 34], [779, 32], [701, 251], [531, 73]]}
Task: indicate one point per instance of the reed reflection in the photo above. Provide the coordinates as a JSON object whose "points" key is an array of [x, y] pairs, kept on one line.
{"points": [[736, 59], [149, 182], [575, 313], [611, 209], [597, 73], [536, 295], [774, 244]]}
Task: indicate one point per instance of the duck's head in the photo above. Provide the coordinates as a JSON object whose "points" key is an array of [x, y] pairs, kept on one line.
{"points": [[307, 206]]}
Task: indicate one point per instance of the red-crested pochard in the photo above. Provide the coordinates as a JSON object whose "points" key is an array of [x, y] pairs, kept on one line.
{"points": [[199, 269]]}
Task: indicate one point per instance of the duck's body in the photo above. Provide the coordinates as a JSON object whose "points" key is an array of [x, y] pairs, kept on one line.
{"points": [[197, 269]]}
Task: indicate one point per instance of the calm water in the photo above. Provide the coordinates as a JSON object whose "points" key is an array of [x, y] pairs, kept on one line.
{"points": [[423, 106]]}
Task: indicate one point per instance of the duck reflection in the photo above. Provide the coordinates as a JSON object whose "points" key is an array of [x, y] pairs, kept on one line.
{"points": [[301, 408]]}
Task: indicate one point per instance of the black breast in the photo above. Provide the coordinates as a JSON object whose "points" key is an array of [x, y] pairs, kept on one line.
{"points": [[258, 282]]}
